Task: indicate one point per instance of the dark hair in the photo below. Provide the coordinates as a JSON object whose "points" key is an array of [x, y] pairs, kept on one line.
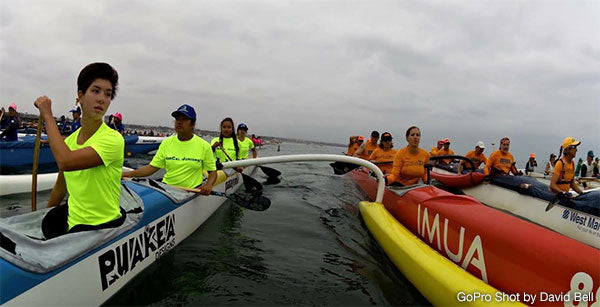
{"points": [[98, 71], [381, 145], [411, 128], [504, 138], [374, 134], [233, 135]]}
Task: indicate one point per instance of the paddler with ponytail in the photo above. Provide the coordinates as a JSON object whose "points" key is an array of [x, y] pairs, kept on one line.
{"points": [[563, 179], [563, 175], [384, 155], [409, 162], [366, 149], [89, 160], [184, 156], [226, 147]]}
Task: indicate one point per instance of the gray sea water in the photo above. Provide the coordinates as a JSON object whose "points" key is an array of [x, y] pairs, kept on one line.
{"points": [[309, 248]]}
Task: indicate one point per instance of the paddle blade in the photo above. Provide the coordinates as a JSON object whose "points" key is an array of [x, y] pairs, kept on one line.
{"points": [[256, 203], [251, 184], [555, 200], [340, 168], [270, 172], [272, 180]]}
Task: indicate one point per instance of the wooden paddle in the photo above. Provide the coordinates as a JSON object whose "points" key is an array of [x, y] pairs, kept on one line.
{"points": [[36, 155]]}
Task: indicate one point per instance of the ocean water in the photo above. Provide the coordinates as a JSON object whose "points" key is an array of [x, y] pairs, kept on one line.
{"points": [[309, 248]]}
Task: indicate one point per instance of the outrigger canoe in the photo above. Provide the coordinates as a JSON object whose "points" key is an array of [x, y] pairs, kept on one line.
{"points": [[573, 223], [506, 252], [99, 263], [15, 184], [17, 157]]}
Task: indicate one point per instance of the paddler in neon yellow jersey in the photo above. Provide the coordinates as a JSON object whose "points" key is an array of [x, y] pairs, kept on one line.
{"points": [[89, 160], [226, 146], [184, 156], [244, 142]]}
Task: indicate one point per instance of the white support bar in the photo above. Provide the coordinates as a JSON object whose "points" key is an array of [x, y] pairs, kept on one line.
{"points": [[315, 157]]}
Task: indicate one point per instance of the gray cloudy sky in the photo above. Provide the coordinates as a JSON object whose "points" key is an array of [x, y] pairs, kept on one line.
{"points": [[324, 70]]}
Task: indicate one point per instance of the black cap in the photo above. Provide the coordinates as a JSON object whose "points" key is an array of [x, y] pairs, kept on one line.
{"points": [[386, 136], [375, 134]]}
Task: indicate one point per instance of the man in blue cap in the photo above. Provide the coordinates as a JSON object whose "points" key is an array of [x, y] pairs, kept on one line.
{"points": [[76, 119], [244, 142], [184, 156]]}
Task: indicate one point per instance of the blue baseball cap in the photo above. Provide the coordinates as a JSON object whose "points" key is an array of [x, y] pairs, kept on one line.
{"points": [[185, 110], [78, 110], [590, 153], [242, 126]]}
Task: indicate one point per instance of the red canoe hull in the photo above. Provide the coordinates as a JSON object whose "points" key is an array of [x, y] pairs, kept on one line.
{"points": [[458, 180], [512, 255]]}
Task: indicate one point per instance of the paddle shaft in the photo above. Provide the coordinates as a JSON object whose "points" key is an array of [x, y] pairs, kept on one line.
{"points": [[224, 152], [588, 179], [36, 155]]}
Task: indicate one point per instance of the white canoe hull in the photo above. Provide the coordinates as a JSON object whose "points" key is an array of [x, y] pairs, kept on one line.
{"points": [[82, 283], [14, 184], [574, 224]]}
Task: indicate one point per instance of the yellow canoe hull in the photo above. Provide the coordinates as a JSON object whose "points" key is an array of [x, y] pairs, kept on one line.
{"points": [[437, 278]]}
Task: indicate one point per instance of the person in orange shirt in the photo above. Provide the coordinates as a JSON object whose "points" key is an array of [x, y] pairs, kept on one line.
{"points": [[384, 155], [367, 148], [445, 151], [500, 162], [409, 162], [564, 170], [531, 164], [355, 142], [476, 156], [435, 149]]}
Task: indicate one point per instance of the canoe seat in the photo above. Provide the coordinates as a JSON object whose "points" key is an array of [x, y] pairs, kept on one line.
{"points": [[22, 242]]}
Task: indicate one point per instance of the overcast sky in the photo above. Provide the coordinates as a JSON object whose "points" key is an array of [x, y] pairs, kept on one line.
{"points": [[324, 70]]}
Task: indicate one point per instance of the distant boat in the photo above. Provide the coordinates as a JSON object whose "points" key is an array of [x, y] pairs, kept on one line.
{"points": [[17, 157]]}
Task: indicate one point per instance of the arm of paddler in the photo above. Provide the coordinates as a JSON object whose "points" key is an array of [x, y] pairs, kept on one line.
{"points": [[58, 192], [460, 166], [395, 174], [254, 153], [208, 185], [360, 150], [553, 186], [514, 170], [576, 187], [215, 145], [143, 171], [66, 159]]}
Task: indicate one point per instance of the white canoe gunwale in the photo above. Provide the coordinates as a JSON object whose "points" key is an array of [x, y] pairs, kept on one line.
{"points": [[92, 274], [569, 222]]}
